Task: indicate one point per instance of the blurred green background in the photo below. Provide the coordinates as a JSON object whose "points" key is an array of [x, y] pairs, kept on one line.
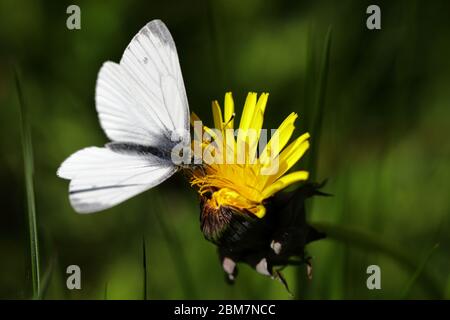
{"points": [[384, 144]]}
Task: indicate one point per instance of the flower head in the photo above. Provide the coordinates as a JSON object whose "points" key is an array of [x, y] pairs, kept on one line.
{"points": [[241, 168]]}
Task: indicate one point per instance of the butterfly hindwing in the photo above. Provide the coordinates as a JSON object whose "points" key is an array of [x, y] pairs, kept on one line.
{"points": [[102, 178]]}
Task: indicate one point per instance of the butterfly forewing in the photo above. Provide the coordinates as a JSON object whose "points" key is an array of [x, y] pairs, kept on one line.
{"points": [[143, 98], [143, 109]]}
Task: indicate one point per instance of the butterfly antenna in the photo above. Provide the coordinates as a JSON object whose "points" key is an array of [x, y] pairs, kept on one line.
{"points": [[228, 122]]}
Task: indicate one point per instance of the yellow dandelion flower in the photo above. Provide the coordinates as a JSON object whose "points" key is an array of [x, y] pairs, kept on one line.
{"points": [[240, 178]]}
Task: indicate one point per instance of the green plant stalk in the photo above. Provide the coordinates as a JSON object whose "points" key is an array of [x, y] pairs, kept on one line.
{"points": [[144, 269], [319, 107], [29, 184], [364, 239], [46, 279], [215, 43], [315, 124], [308, 90], [406, 291]]}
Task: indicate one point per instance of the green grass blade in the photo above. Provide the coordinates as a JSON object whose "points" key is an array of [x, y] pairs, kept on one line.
{"points": [[314, 124], [46, 279], [418, 272], [105, 292], [366, 240], [216, 49], [308, 86], [29, 184], [447, 289], [144, 269], [319, 107], [176, 252]]}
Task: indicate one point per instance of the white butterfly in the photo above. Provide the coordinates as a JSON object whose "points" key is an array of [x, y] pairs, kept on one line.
{"points": [[143, 109]]}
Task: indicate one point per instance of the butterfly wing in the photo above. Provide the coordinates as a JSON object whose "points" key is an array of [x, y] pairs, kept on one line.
{"points": [[142, 100], [102, 178], [143, 109]]}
